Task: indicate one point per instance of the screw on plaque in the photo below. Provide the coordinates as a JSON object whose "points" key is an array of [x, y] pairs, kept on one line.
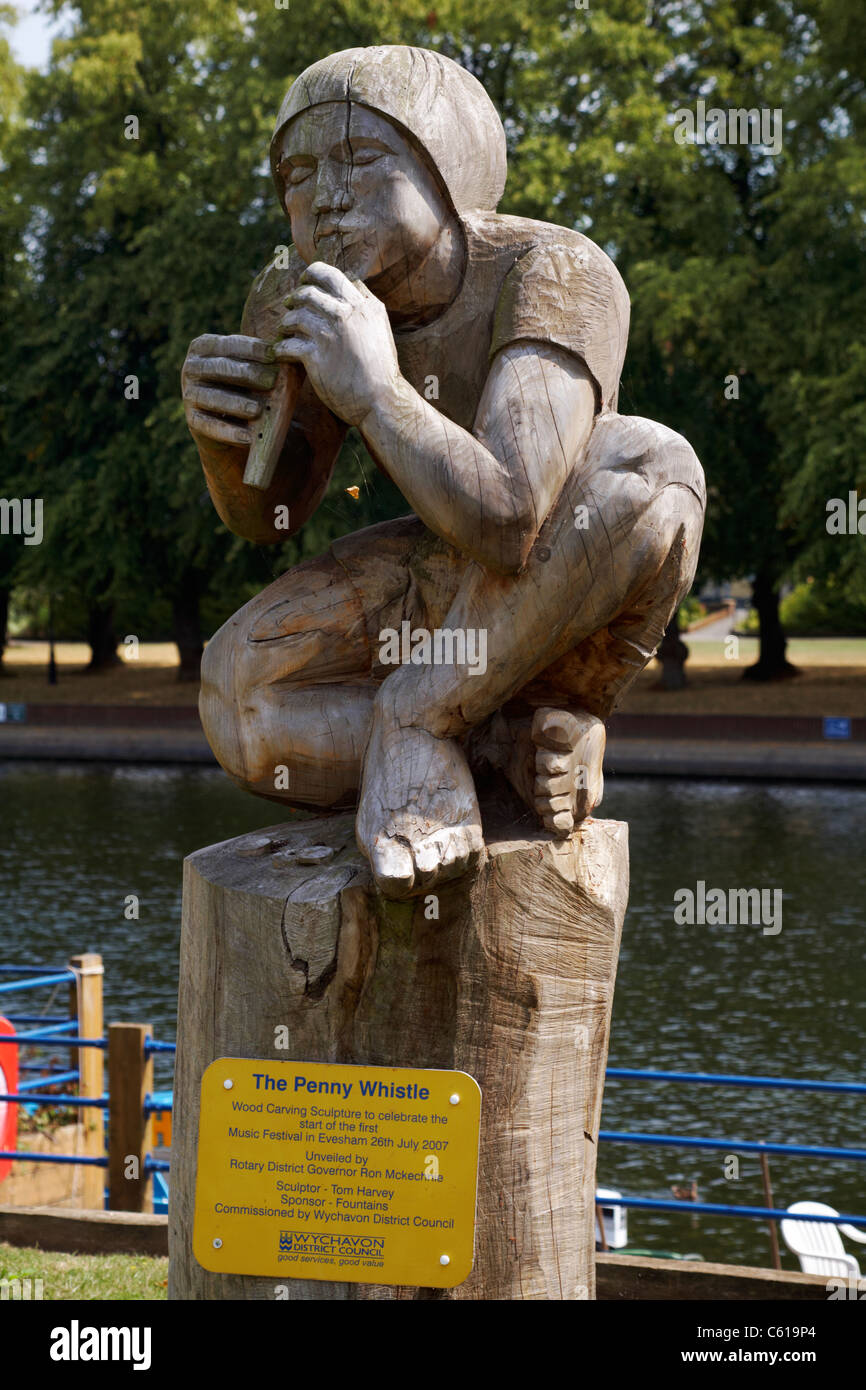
{"points": [[445, 1259], [217, 1245], [227, 1084], [455, 1099]]}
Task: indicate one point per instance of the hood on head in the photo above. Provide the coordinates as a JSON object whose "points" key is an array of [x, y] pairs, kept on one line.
{"points": [[443, 108]]}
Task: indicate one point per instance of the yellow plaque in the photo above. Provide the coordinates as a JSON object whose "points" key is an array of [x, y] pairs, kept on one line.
{"points": [[312, 1170]]}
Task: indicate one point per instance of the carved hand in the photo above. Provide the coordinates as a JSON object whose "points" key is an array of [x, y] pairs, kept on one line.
{"points": [[339, 331], [217, 374]]}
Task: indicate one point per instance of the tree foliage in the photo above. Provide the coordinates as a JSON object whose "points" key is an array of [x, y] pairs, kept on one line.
{"points": [[116, 251]]}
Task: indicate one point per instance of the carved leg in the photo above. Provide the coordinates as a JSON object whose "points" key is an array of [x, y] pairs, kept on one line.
{"points": [[569, 781], [286, 684], [553, 759], [418, 818], [626, 572]]}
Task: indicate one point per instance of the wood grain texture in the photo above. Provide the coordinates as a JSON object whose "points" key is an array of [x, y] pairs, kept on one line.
{"points": [[513, 984]]}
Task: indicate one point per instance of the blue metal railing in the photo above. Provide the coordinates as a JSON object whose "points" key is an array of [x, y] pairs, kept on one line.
{"points": [[39, 1036], [741, 1145], [25, 970], [683, 1141], [61, 1030], [710, 1079], [21, 1098], [56, 1028], [23, 1155], [54, 1078], [14, 986], [723, 1209], [156, 1107]]}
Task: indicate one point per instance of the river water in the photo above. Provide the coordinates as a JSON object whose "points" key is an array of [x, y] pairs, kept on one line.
{"points": [[76, 841]]}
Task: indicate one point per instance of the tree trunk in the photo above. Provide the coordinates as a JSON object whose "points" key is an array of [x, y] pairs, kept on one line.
{"points": [[102, 638], [186, 624], [506, 973], [4, 621], [771, 664], [672, 654]]}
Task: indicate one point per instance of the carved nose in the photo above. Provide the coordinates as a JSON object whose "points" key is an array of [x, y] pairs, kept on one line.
{"points": [[332, 195]]}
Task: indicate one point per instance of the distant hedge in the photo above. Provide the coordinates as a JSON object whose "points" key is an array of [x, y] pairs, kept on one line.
{"points": [[815, 609]]}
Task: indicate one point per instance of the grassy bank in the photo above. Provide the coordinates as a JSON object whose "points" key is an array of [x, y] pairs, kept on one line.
{"points": [[832, 679], [96, 1278]]}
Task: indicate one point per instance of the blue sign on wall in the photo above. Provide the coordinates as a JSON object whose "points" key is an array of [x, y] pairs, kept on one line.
{"points": [[835, 727]]}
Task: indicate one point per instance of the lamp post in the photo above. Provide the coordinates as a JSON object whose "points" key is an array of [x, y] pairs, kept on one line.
{"points": [[52, 664]]}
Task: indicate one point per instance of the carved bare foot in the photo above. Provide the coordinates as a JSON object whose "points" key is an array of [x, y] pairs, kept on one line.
{"points": [[418, 819], [568, 767]]}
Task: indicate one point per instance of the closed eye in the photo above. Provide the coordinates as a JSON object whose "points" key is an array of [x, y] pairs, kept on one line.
{"points": [[364, 151], [292, 173], [367, 156]]}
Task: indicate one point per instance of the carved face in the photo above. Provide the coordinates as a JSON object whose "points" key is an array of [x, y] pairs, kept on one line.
{"points": [[357, 194]]}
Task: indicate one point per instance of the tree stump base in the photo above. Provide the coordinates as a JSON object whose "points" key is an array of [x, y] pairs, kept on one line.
{"points": [[507, 974]]}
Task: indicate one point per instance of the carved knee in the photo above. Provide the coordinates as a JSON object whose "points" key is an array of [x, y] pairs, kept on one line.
{"points": [[220, 699]]}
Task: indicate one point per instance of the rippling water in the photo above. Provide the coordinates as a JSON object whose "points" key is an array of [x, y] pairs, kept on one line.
{"points": [[76, 840]]}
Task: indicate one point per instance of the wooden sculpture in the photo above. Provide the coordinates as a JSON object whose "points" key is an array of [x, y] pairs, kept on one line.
{"points": [[551, 538]]}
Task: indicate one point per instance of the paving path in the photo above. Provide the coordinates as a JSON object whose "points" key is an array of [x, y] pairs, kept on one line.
{"points": [[714, 632]]}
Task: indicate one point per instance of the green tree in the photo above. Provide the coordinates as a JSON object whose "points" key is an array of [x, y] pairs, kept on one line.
{"points": [[138, 187], [12, 272], [741, 264]]}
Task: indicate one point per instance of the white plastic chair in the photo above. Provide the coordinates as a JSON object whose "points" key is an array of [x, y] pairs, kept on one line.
{"points": [[818, 1244], [613, 1219]]}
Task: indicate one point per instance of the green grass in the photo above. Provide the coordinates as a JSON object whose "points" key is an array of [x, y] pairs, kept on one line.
{"points": [[802, 651], [98, 1278]]}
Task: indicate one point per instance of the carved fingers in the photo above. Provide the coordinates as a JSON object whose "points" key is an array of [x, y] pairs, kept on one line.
{"points": [[340, 333], [218, 373], [331, 279], [232, 345], [211, 427]]}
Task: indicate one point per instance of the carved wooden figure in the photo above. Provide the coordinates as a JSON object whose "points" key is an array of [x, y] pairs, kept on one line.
{"points": [[550, 539]]}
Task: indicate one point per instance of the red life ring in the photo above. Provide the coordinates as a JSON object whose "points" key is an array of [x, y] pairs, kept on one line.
{"points": [[8, 1108]]}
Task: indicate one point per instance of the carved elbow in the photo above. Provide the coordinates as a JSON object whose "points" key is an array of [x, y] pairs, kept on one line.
{"points": [[248, 525]]}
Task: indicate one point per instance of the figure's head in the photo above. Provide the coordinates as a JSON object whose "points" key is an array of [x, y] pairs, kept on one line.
{"points": [[377, 149], [357, 193]]}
